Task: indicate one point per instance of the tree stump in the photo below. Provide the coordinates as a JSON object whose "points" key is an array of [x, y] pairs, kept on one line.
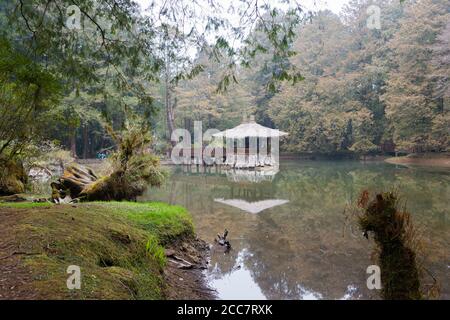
{"points": [[74, 182]]}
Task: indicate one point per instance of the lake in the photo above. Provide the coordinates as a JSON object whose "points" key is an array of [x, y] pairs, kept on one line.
{"points": [[289, 234]]}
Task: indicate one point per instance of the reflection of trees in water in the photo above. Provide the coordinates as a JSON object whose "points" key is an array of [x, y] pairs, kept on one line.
{"points": [[299, 246], [309, 253], [425, 191], [223, 263], [311, 247]]}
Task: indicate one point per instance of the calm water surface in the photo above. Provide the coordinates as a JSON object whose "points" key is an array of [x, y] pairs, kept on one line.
{"points": [[288, 230]]}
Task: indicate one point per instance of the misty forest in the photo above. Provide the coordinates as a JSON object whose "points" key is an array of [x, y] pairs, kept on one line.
{"points": [[91, 92]]}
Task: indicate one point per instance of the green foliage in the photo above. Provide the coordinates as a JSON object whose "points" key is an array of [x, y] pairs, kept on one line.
{"points": [[128, 43], [26, 92], [199, 100], [332, 83], [113, 59], [133, 167], [156, 251], [132, 159], [363, 146]]}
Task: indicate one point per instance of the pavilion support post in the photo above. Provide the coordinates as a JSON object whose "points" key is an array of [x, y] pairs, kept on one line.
{"points": [[253, 152], [241, 158]]}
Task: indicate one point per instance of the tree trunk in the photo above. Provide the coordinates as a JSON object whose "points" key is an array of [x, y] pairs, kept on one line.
{"points": [[169, 110], [167, 101], [85, 141], [73, 144]]}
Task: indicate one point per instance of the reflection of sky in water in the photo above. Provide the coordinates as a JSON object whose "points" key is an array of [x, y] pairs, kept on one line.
{"points": [[306, 294], [238, 284], [302, 249], [351, 293]]}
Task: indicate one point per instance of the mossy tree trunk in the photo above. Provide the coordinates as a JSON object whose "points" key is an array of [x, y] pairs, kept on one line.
{"points": [[13, 177]]}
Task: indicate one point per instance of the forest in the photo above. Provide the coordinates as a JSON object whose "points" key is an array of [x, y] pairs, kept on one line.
{"points": [[362, 90], [331, 82], [92, 90]]}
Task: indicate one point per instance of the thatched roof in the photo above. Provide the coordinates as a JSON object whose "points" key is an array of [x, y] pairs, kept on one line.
{"points": [[250, 129]]}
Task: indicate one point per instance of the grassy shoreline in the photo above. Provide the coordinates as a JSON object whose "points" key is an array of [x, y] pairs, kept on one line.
{"points": [[119, 247]]}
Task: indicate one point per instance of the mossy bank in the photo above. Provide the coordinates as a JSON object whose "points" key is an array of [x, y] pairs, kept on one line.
{"points": [[120, 247]]}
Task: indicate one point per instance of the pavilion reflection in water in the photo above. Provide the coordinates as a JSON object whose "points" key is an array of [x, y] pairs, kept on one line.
{"points": [[252, 176], [246, 194], [252, 207], [251, 191]]}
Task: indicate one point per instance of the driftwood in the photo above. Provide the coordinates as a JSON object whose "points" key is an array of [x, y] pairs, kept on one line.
{"points": [[222, 240], [79, 183], [180, 262]]}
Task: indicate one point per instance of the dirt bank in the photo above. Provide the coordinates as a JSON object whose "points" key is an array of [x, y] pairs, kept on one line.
{"points": [[429, 160], [124, 251], [187, 260]]}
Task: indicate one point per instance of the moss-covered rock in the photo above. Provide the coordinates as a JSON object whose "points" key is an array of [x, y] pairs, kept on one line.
{"points": [[13, 177]]}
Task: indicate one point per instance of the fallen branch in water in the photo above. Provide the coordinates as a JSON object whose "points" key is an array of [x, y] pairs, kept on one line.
{"points": [[222, 240]]}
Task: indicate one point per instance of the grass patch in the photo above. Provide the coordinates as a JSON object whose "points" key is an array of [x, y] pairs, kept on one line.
{"points": [[164, 221], [117, 245], [156, 251], [25, 205]]}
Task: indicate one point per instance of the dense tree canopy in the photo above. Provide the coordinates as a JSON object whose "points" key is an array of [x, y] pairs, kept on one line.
{"points": [[364, 90], [72, 68], [108, 56]]}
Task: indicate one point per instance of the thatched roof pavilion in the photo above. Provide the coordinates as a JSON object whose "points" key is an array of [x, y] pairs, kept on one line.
{"points": [[250, 129], [259, 156]]}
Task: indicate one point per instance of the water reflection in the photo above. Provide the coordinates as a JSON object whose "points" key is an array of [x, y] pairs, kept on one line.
{"points": [[252, 207], [253, 176], [237, 283], [301, 249]]}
